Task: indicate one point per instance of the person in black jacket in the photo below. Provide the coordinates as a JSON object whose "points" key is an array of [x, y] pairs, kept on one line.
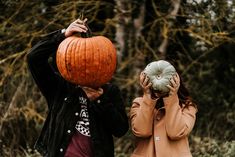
{"points": [[81, 121]]}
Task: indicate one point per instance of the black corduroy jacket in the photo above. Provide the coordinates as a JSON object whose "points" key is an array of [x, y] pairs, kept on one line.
{"points": [[107, 114]]}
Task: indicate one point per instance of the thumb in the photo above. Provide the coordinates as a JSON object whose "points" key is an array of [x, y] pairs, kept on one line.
{"points": [[100, 91], [85, 20]]}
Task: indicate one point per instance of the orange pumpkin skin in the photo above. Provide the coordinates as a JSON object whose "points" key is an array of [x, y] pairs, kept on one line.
{"points": [[87, 62]]}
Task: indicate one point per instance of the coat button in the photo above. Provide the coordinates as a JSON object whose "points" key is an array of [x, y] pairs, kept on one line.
{"points": [[61, 150], [68, 131], [76, 114], [65, 99], [157, 138], [98, 101]]}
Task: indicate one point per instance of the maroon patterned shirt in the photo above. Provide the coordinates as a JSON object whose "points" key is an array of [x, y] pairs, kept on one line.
{"points": [[80, 145]]}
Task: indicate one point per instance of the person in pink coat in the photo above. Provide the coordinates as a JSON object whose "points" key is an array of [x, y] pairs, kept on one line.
{"points": [[162, 125]]}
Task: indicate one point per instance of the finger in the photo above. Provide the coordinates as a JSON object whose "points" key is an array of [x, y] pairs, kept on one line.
{"points": [[75, 25], [170, 87], [79, 21], [142, 74], [141, 79], [147, 88], [81, 26], [89, 89], [149, 85], [85, 89], [173, 83], [85, 20], [77, 29], [177, 81], [146, 81], [177, 78], [100, 91]]}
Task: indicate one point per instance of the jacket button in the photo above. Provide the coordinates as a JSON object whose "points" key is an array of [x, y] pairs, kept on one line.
{"points": [[76, 114], [98, 101], [65, 99], [61, 150], [157, 138], [68, 131]]}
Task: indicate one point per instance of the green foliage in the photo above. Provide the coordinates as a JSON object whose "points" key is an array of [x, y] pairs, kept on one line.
{"points": [[214, 94], [207, 147]]}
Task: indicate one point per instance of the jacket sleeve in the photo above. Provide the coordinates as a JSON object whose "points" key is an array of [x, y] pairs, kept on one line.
{"points": [[41, 63], [110, 106], [141, 116], [179, 120]]}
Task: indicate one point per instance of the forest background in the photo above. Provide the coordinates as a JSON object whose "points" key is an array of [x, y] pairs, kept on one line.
{"points": [[196, 35]]}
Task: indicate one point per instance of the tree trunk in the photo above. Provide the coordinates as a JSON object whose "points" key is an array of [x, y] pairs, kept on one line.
{"points": [[128, 30]]}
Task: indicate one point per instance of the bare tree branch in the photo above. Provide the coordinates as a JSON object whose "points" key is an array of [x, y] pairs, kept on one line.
{"points": [[172, 15]]}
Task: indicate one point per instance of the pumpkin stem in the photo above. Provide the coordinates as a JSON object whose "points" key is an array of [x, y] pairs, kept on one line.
{"points": [[88, 33]]}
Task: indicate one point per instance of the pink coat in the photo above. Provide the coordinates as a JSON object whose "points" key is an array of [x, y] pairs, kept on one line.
{"points": [[163, 132]]}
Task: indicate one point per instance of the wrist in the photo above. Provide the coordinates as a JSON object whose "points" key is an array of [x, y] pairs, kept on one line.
{"points": [[66, 32], [171, 99], [63, 31], [148, 99]]}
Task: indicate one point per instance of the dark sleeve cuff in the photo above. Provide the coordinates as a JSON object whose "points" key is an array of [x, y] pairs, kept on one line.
{"points": [[58, 36]]}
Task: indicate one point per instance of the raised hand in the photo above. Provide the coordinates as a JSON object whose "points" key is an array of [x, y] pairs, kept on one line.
{"points": [[78, 26], [174, 86], [146, 85]]}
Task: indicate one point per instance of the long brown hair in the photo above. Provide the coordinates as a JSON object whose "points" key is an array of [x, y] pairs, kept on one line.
{"points": [[184, 96]]}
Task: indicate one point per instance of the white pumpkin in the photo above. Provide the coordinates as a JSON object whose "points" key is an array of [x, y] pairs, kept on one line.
{"points": [[160, 72]]}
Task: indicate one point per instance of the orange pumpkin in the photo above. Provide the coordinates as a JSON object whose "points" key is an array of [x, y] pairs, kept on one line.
{"points": [[88, 61]]}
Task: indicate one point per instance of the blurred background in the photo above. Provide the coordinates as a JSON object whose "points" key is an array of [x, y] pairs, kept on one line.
{"points": [[198, 36]]}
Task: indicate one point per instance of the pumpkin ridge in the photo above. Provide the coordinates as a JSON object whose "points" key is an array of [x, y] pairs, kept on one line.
{"points": [[83, 61], [63, 59], [68, 58], [58, 59], [73, 60], [93, 71], [88, 51], [98, 60], [81, 69], [104, 61], [110, 60], [76, 60]]}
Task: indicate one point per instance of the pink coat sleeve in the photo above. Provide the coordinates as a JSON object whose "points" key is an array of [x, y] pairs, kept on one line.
{"points": [[141, 116], [179, 121]]}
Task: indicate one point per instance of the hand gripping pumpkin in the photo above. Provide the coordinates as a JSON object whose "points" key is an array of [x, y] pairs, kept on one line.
{"points": [[87, 61], [160, 72]]}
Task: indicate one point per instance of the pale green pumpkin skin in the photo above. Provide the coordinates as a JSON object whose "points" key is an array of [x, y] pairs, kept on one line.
{"points": [[160, 72]]}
